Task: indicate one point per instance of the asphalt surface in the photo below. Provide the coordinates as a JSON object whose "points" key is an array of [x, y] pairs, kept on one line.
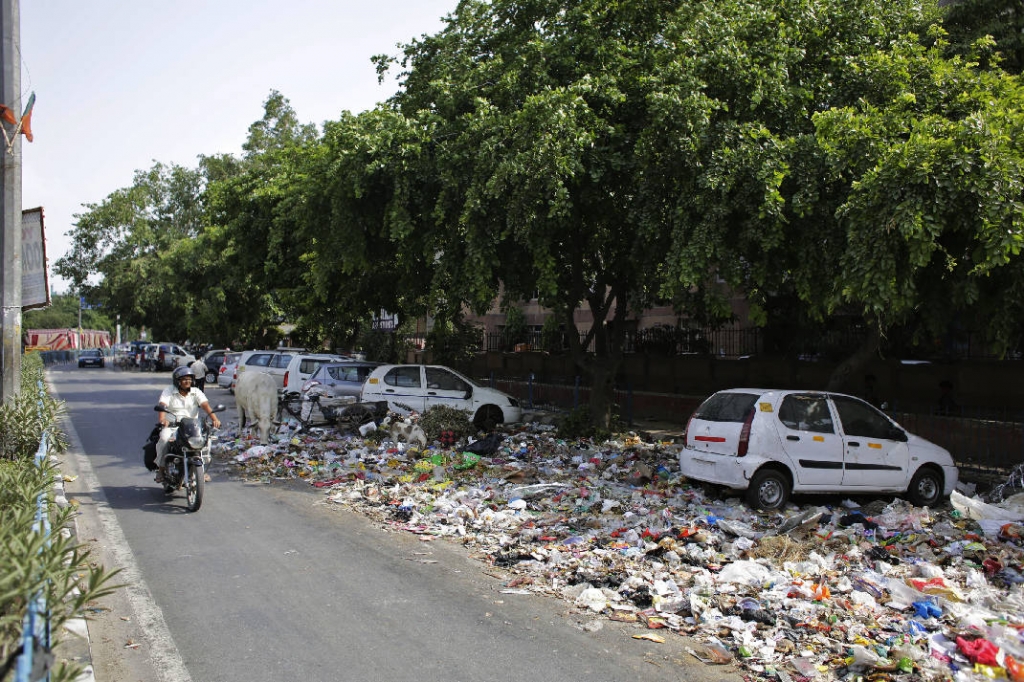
{"points": [[266, 582]]}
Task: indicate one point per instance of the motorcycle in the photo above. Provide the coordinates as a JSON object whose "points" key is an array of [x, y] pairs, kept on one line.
{"points": [[188, 456]]}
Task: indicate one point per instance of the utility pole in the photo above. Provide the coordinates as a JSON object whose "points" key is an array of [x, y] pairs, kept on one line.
{"points": [[10, 202]]}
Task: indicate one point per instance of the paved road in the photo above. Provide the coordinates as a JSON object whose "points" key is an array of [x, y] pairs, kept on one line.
{"points": [[267, 583]]}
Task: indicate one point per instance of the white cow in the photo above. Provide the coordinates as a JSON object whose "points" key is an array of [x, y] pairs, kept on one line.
{"points": [[256, 397]]}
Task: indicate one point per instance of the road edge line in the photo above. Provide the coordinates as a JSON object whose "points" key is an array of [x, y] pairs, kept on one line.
{"points": [[164, 652]]}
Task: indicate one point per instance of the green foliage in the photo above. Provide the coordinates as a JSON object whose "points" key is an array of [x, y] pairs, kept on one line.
{"points": [[515, 325], [54, 566], [384, 346], [987, 31], [579, 423], [63, 314], [453, 343], [551, 335], [443, 418], [25, 417], [848, 156]]}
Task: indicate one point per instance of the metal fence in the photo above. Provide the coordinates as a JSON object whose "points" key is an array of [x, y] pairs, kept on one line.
{"points": [[653, 341], [736, 342], [979, 440]]}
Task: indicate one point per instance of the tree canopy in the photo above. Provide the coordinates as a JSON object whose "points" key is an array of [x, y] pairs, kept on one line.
{"points": [[854, 158]]}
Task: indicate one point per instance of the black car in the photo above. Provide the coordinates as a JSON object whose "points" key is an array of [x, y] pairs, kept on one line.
{"points": [[91, 357]]}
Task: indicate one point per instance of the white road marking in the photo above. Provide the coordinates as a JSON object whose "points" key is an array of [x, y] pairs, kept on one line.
{"points": [[163, 650]]}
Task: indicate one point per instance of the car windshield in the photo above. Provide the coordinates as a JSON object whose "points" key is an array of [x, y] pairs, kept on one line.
{"points": [[91, 353]]}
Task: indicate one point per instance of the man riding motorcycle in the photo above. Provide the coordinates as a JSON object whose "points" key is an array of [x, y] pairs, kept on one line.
{"points": [[182, 400]]}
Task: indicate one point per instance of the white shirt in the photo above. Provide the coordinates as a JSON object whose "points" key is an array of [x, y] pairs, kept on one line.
{"points": [[182, 406]]}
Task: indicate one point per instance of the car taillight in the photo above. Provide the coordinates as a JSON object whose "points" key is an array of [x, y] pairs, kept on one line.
{"points": [[286, 379], [741, 449]]}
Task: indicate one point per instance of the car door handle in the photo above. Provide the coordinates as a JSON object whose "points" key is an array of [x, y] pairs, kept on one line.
{"points": [[853, 444], [431, 392], [792, 437]]}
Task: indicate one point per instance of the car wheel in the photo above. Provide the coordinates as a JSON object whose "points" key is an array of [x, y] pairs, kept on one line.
{"points": [[769, 489], [925, 487], [487, 417]]}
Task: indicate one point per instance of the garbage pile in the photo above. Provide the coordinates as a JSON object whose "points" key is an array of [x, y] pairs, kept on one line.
{"points": [[880, 591]]}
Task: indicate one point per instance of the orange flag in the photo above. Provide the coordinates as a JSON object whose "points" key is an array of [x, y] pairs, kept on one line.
{"points": [[7, 115], [26, 118]]}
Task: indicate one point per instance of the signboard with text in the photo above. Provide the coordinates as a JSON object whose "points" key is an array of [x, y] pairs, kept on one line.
{"points": [[35, 286]]}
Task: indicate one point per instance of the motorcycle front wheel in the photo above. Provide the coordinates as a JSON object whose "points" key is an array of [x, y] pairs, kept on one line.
{"points": [[194, 488]]}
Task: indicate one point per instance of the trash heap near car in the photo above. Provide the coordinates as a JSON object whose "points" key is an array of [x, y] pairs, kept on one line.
{"points": [[887, 590]]}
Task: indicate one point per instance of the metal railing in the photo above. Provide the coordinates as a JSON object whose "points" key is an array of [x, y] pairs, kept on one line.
{"points": [[979, 440], [735, 342], [36, 631]]}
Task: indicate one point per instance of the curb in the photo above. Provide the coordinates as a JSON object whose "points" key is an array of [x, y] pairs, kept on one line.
{"points": [[77, 647]]}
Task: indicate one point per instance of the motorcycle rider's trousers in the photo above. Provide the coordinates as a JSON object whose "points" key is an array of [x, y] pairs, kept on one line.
{"points": [[164, 443]]}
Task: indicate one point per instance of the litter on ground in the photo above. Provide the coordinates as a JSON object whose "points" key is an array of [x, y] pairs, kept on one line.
{"points": [[874, 592]]}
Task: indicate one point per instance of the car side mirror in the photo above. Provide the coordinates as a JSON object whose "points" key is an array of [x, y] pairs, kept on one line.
{"points": [[469, 393]]}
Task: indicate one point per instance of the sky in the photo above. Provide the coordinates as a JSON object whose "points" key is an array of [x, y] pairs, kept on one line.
{"points": [[122, 84]]}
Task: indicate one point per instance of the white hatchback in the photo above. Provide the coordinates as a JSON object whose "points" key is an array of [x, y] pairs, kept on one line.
{"points": [[772, 442], [417, 388]]}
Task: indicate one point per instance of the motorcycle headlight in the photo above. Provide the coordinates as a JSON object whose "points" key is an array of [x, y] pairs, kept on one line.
{"points": [[196, 442]]}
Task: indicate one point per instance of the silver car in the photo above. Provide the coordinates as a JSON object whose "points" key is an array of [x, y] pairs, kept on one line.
{"points": [[337, 379], [226, 373]]}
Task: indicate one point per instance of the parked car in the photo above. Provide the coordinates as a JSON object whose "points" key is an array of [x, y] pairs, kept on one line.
{"points": [[226, 373], [415, 388], [337, 379], [298, 367], [289, 366], [771, 443], [171, 355], [91, 357], [213, 359]]}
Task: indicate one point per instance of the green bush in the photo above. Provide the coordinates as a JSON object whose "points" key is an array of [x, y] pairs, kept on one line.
{"points": [[32, 563], [442, 418], [577, 423], [24, 417], [454, 343]]}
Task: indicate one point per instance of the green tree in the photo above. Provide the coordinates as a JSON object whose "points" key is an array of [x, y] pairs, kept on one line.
{"points": [[987, 31], [255, 213], [63, 314], [529, 117], [122, 247], [824, 149]]}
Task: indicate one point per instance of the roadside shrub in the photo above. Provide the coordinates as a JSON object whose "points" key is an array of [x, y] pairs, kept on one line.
{"points": [[32, 563], [577, 424], [441, 418], [24, 417], [454, 343]]}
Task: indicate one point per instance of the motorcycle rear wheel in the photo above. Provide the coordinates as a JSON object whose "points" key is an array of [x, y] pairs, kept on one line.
{"points": [[194, 488]]}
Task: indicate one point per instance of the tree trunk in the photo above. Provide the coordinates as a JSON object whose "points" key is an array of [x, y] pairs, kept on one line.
{"points": [[841, 379], [602, 392]]}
